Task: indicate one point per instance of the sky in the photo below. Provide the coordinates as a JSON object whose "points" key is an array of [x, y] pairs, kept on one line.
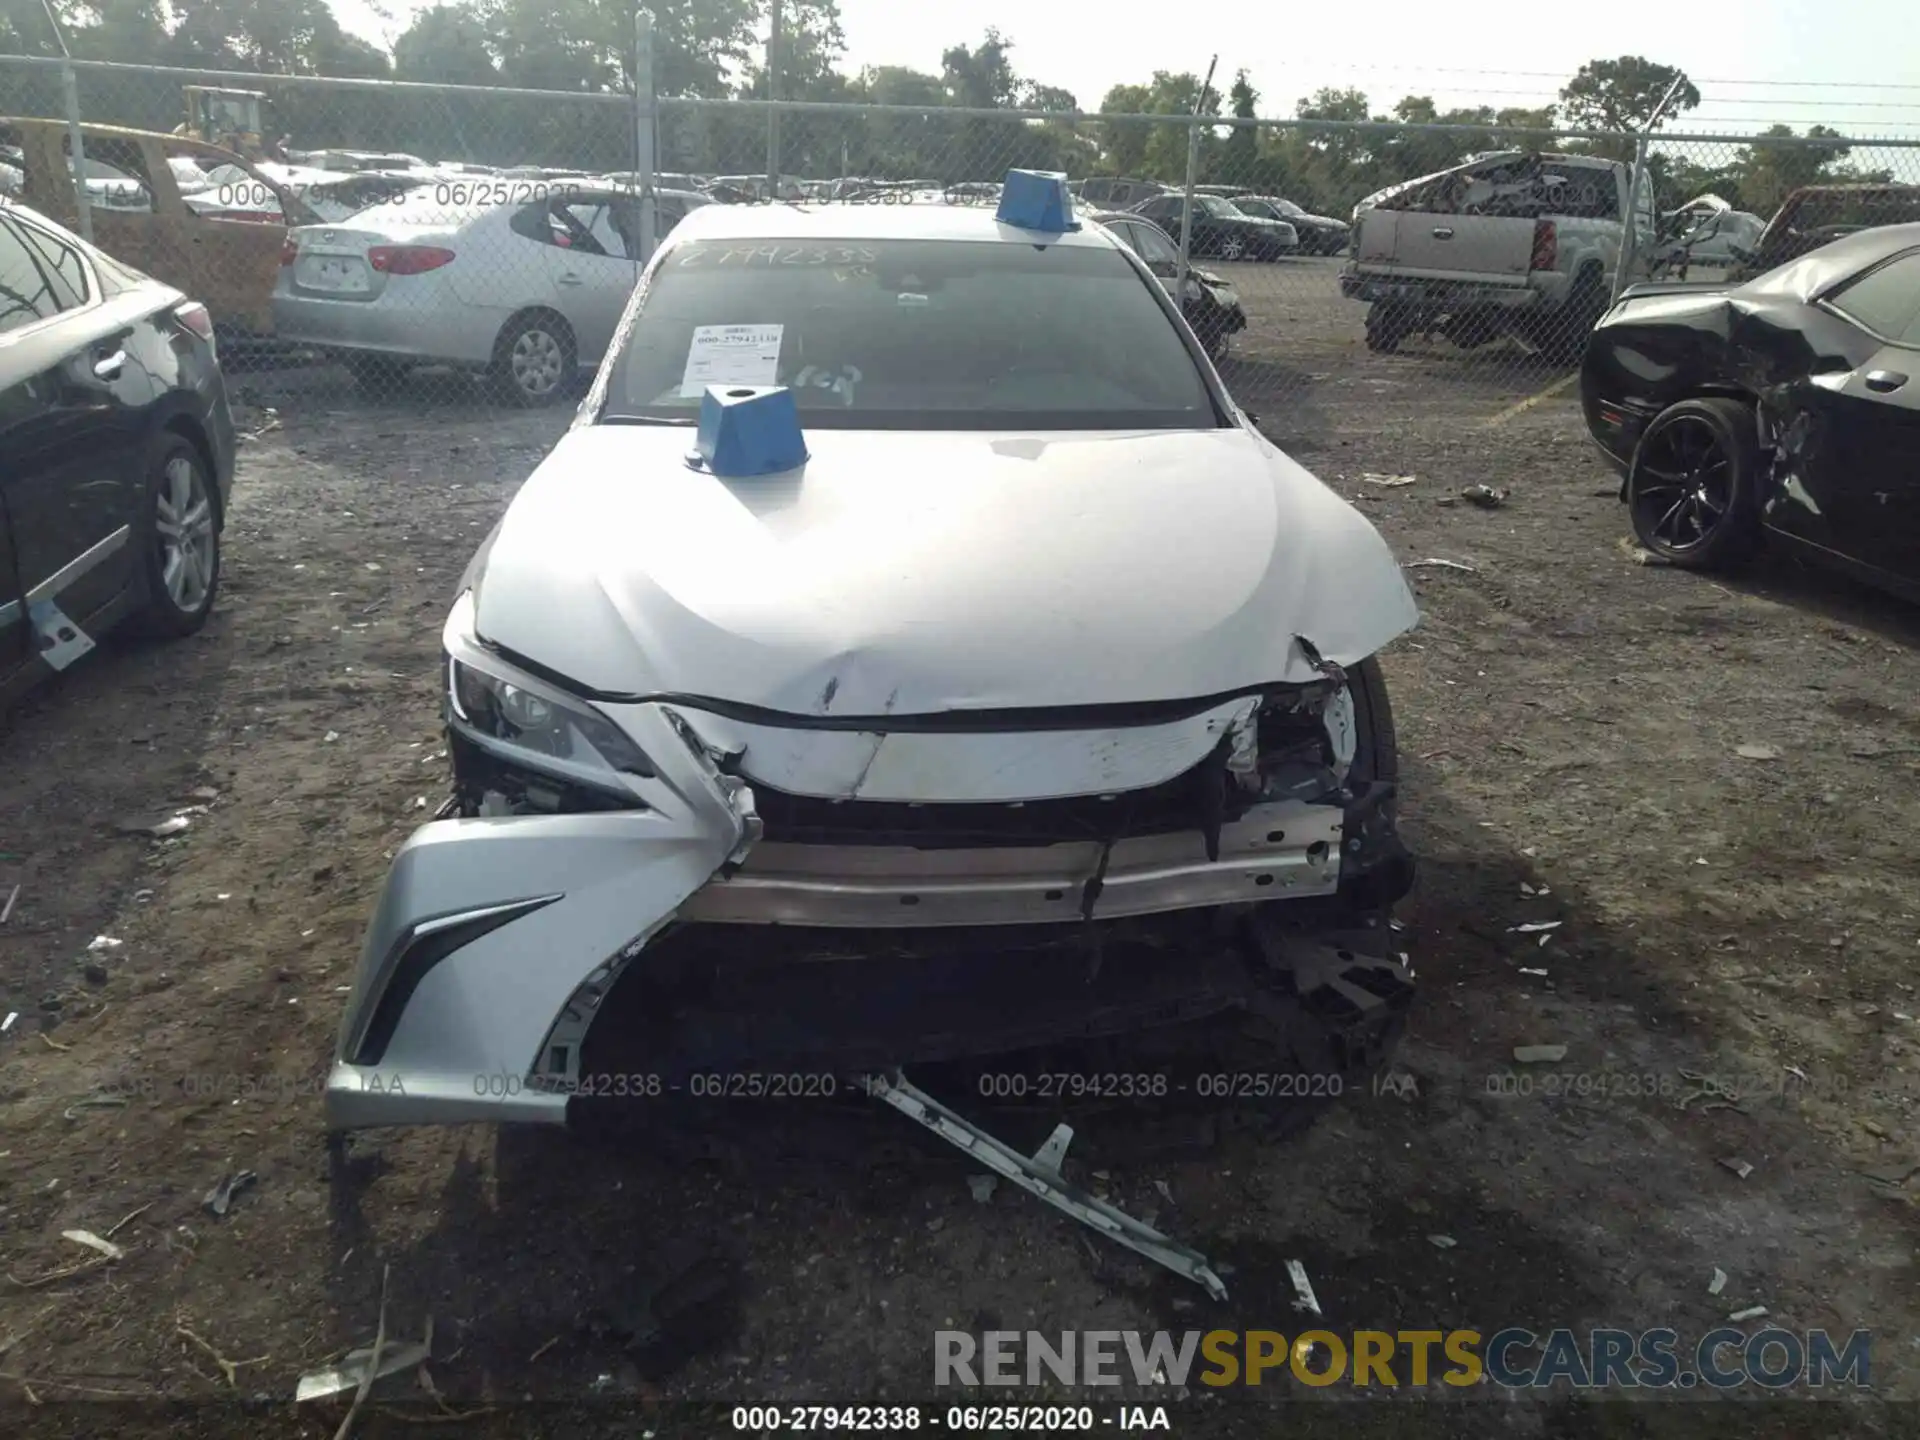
{"points": [[1850, 64]]}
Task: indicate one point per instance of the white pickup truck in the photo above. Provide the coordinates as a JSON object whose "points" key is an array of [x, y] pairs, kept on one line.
{"points": [[1516, 242]]}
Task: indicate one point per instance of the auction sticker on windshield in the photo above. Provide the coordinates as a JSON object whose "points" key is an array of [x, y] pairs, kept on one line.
{"points": [[731, 355]]}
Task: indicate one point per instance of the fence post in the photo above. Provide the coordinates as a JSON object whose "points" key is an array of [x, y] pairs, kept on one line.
{"points": [[1630, 241], [1630, 230], [643, 125], [70, 96], [773, 104], [1186, 209], [1193, 174]]}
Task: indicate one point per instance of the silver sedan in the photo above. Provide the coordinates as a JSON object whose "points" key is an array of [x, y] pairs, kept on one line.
{"points": [[521, 281]]}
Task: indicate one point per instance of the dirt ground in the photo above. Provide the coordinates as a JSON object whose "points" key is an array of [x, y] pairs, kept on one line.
{"points": [[1711, 784]]}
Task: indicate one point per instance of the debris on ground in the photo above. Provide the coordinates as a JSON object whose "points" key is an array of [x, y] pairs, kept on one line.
{"points": [[1756, 752], [358, 1369], [1040, 1175], [102, 943], [7, 1024], [6, 910], [1530, 970], [157, 829], [1752, 1312], [1165, 1190], [220, 1198], [1485, 496], [1739, 1167], [93, 1242], [1305, 1300], [1539, 1054], [1391, 482], [1719, 1281], [983, 1186], [330, 737], [1434, 562], [1534, 927], [1443, 1242]]}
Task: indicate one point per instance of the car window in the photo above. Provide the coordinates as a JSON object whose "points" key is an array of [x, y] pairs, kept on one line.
{"points": [[63, 265], [31, 285], [1153, 246], [1214, 206], [917, 334], [1288, 208], [596, 219], [116, 172], [1885, 300]]}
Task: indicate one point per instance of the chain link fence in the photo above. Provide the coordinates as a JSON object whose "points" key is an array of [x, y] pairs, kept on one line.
{"points": [[458, 246]]}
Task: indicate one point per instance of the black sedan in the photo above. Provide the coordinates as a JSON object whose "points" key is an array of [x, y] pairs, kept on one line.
{"points": [[1221, 229], [1788, 406], [116, 451], [1211, 305], [1319, 234]]}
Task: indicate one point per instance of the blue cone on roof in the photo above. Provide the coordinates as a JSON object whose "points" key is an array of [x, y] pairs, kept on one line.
{"points": [[1037, 200], [749, 430]]}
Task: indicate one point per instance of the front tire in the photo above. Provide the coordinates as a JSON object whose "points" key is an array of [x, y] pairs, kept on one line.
{"points": [[1569, 329], [1231, 247], [1693, 485], [180, 546]]}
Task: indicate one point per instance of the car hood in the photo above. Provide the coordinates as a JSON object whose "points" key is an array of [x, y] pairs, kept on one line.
{"points": [[920, 572]]}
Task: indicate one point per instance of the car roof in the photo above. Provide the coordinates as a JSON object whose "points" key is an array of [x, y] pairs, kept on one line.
{"points": [[865, 222], [1816, 272]]}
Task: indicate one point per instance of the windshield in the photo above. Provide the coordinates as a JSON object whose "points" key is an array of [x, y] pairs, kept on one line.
{"points": [[1287, 208], [913, 334], [1214, 205]]}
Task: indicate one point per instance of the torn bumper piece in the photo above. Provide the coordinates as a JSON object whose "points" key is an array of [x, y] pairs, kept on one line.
{"points": [[1039, 1174]]}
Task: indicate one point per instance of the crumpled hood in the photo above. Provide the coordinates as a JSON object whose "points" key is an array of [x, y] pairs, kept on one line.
{"points": [[906, 572]]}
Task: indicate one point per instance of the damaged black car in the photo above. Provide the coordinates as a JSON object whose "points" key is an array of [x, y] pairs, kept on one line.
{"points": [[1785, 408]]}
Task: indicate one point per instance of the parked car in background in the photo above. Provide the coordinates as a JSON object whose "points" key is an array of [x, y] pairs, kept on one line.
{"points": [[116, 451], [1705, 231], [1221, 229], [1815, 214], [228, 261], [1516, 243], [526, 291], [329, 195], [1115, 192], [1786, 406], [1319, 234], [1211, 305]]}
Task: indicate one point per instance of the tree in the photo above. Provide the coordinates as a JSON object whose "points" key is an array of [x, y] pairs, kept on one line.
{"points": [[981, 77], [1621, 94], [445, 45], [1239, 157], [1769, 173]]}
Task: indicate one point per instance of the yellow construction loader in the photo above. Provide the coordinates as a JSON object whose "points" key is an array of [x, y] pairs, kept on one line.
{"points": [[232, 119]]}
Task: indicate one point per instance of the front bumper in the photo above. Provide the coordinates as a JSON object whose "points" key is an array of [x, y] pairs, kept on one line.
{"points": [[497, 939]]}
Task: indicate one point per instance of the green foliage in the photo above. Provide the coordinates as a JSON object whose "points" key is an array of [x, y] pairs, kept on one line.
{"points": [[715, 48]]}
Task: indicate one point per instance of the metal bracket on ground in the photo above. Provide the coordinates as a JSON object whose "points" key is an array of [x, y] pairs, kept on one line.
{"points": [[1040, 1175]]}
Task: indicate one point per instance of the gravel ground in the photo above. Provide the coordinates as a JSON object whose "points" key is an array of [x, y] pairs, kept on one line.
{"points": [[1711, 784]]}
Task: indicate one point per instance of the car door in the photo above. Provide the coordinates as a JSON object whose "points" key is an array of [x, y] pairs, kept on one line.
{"points": [[592, 273], [1868, 421], [71, 410]]}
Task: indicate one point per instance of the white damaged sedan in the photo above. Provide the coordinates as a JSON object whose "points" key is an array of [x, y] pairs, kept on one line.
{"points": [[1038, 703]]}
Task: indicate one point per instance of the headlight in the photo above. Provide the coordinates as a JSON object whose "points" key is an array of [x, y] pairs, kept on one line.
{"points": [[540, 726]]}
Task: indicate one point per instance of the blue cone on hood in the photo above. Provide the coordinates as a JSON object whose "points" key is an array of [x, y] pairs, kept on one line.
{"points": [[748, 430]]}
